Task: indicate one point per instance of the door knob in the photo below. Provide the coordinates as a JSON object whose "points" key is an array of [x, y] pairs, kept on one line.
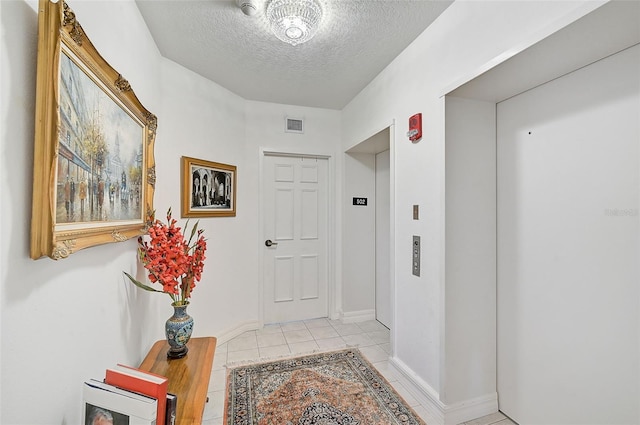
{"points": [[268, 242]]}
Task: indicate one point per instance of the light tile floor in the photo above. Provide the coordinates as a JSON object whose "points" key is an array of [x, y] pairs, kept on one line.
{"points": [[288, 339]]}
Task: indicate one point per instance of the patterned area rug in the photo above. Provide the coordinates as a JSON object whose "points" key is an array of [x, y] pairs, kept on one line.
{"points": [[337, 388]]}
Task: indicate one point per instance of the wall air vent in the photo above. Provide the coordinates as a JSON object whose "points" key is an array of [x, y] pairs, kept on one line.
{"points": [[294, 125]]}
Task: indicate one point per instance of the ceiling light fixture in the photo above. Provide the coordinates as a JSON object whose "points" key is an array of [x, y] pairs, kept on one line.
{"points": [[294, 21]]}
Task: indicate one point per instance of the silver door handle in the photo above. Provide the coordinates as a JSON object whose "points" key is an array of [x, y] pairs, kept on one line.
{"points": [[268, 242]]}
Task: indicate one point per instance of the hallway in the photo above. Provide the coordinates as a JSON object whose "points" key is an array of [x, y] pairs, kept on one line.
{"points": [[297, 338]]}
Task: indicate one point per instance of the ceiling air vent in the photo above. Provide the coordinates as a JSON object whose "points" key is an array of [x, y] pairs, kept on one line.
{"points": [[294, 125]]}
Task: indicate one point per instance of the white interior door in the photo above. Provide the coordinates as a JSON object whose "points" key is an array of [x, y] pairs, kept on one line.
{"points": [[568, 247], [383, 239], [295, 272]]}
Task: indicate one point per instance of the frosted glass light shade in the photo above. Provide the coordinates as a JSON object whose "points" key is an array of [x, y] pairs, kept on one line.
{"points": [[294, 21]]}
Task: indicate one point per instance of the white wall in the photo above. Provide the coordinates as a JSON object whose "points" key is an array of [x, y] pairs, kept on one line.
{"points": [[470, 251], [265, 124], [203, 120], [466, 37], [359, 233], [64, 322], [358, 236], [568, 247]]}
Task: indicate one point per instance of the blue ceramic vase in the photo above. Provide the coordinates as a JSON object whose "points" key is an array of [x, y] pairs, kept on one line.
{"points": [[178, 330]]}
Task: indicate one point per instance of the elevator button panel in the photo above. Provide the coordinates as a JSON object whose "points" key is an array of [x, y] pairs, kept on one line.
{"points": [[415, 261]]}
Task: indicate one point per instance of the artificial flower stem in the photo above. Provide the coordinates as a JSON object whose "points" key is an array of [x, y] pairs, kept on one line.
{"points": [[140, 284]]}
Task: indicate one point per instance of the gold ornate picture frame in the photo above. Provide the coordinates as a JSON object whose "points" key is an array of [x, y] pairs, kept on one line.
{"points": [[94, 168], [208, 188]]}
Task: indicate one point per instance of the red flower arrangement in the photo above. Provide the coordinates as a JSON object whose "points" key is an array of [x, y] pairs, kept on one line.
{"points": [[171, 260]]}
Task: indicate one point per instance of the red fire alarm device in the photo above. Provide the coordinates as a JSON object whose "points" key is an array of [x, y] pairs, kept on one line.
{"points": [[415, 128]]}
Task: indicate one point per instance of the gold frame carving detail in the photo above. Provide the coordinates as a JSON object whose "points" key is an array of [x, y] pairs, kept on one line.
{"points": [[94, 166]]}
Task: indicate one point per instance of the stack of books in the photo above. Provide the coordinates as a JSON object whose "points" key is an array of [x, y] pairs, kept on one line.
{"points": [[129, 395]]}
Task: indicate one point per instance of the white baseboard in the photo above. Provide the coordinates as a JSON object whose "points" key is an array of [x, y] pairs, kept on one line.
{"points": [[471, 409], [357, 316], [423, 392], [229, 334], [438, 412]]}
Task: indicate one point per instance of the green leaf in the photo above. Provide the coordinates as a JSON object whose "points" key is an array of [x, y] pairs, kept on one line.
{"points": [[193, 231], [140, 284]]}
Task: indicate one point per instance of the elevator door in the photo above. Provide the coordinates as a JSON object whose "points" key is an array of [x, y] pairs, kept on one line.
{"points": [[568, 247]]}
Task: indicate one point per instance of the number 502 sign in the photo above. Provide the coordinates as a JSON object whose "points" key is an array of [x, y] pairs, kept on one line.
{"points": [[360, 201]]}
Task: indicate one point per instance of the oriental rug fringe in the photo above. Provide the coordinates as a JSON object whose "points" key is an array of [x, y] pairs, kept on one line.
{"points": [[335, 388]]}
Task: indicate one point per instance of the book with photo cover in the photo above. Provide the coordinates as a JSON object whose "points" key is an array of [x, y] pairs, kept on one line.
{"points": [[104, 403], [143, 382]]}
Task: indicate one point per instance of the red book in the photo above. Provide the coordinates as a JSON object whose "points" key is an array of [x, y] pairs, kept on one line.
{"points": [[140, 381]]}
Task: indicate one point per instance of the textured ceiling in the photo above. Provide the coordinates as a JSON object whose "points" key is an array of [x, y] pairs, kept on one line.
{"points": [[357, 39]]}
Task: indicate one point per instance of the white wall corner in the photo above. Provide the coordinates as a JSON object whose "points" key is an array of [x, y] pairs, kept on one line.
{"points": [[229, 334], [467, 410], [418, 388], [358, 316], [335, 315], [439, 413]]}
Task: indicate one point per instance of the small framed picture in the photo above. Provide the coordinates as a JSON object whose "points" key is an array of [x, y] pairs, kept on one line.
{"points": [[208, 188]]}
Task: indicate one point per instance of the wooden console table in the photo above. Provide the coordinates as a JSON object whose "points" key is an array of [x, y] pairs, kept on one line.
{"points": [[188, 376]]}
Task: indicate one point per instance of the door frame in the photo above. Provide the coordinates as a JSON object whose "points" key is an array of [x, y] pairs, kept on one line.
{"points": [[391, 254], [332, 291], [391, 125]]}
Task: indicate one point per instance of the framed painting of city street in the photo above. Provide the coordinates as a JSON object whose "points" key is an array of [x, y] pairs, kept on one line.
{"points": [[208, 188], [94, 170]]}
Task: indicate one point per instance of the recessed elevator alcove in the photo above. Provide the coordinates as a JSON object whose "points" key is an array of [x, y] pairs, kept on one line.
{"points": [[542, 229]]}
